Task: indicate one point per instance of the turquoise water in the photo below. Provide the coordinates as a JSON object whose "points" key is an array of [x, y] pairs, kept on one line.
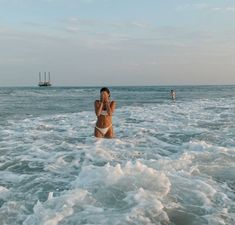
{"points": [[170, 163]]}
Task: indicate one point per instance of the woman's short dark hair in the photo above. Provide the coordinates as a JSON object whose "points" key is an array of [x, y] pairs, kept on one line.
{"points": [[105, 89]]}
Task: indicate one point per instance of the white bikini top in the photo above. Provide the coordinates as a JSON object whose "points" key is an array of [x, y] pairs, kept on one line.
{"points": [[104, 113]]}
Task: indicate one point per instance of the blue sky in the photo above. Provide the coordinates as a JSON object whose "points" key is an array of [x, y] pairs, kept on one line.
{"points": [[122, 42]]}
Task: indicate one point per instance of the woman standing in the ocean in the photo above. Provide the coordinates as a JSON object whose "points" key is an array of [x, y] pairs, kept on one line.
{"points": [[104, 109]]}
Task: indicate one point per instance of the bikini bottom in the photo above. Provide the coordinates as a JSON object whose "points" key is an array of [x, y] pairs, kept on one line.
{"points": [[103, 131]]}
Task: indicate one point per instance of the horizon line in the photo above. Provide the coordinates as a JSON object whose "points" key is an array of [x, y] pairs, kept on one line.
{"points": [[132, 85]]}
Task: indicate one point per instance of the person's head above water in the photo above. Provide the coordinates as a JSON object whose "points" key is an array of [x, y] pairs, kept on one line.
{"points": [[105, 89]]}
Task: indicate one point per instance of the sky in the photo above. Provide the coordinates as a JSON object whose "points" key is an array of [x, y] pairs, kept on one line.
{"points": [[117, 42]]}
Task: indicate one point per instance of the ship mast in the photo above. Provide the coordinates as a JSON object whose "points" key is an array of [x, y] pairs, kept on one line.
{"points": [[40, 81], [49, 77]]}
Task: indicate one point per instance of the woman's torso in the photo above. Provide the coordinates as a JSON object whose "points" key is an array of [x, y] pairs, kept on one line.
{"points": [[104, 119]]}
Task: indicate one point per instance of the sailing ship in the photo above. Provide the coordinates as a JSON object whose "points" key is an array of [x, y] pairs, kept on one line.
{"points": [[46, 82]]}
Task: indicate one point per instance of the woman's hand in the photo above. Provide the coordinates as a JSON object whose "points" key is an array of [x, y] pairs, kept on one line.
{"points": [[104, 97]]}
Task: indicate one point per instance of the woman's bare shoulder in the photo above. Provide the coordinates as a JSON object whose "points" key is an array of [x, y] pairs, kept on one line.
{"points": [[113, 104]]}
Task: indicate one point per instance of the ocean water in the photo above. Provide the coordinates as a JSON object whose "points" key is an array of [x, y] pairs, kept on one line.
{"points": [[171, 163]]}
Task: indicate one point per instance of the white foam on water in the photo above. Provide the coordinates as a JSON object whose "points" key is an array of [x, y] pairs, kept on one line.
{"points": [[50, 196], [169, 164], [128, 178], [56, 209], [3, 190], [99, 191], [149, 209], [4, 193]]}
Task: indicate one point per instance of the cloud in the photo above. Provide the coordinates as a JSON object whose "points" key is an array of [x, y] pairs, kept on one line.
{"points": [[130, 25], [163, 49], [195, 6], [205, 6], [88, 1], [224, 9], [231, 8], [216, 9], [103, 31], [76, 21], [83, 32]]}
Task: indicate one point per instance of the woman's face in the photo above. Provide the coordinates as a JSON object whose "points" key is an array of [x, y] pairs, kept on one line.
{"points": [[104, 95]]}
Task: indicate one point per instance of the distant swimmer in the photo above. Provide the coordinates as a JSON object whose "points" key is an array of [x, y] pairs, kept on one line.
{"points": [[104, 109], [173, 95]]}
